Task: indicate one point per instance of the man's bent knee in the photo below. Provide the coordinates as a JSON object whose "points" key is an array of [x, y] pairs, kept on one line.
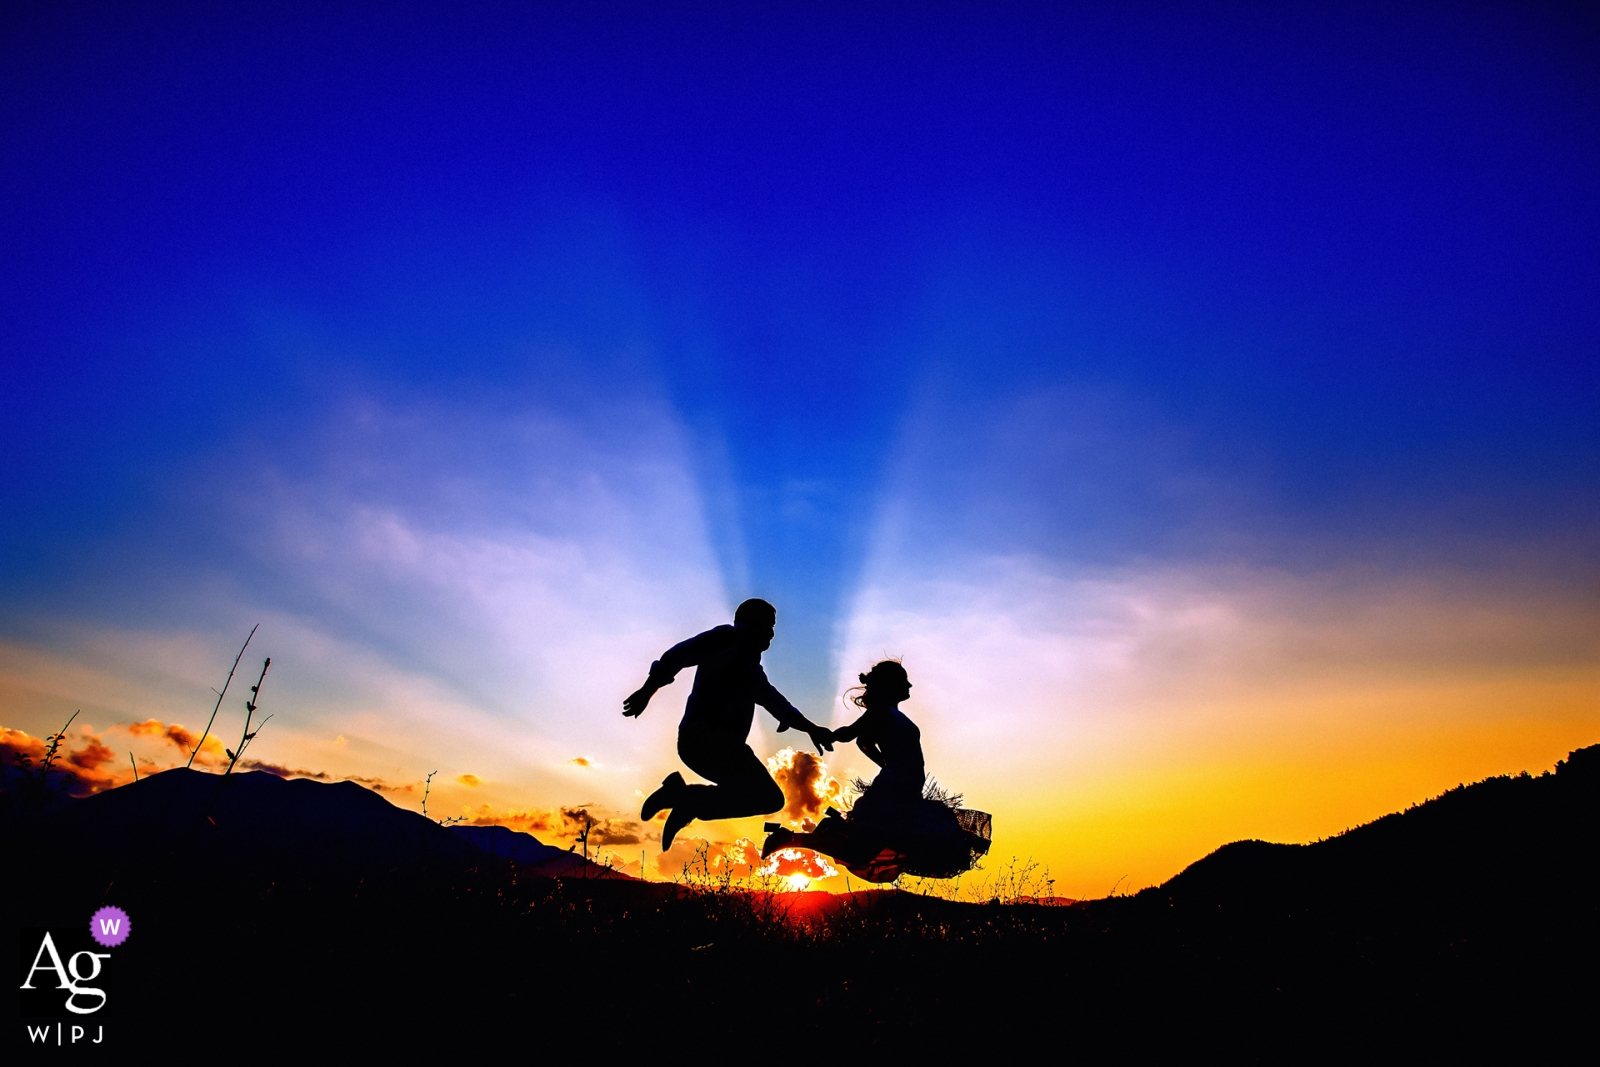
{"points": [[772, 798]]}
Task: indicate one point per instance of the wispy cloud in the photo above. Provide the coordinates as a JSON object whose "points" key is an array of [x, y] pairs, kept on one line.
{"points": [[212, 751], [439, 585]]}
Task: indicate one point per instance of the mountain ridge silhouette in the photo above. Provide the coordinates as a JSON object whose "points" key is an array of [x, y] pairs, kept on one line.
{"points": [[1470, 836], [258, 818], [1474, 916]]}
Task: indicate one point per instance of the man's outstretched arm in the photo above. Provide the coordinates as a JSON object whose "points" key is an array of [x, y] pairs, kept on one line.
{"points": [[663, 671], [789, 716]]}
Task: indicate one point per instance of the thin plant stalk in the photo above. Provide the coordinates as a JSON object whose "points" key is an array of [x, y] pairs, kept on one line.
{"points": [[428, 785], [36, 780], [220, 695], [48, 763], [135, 767], [249, 710]]}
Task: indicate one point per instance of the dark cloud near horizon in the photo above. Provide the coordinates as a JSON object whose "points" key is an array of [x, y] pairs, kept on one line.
{"points": [[94, 754], [567, 823], [282, 771], [377, 785]]}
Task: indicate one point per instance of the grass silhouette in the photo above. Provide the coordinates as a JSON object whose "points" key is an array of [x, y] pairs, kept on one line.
{"points": [[223, 692], [33, 791], [1472, 917]]}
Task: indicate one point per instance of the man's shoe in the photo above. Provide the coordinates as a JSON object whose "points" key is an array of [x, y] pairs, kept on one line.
{"points": [[663, 797], [779, 838], [675, 822]]}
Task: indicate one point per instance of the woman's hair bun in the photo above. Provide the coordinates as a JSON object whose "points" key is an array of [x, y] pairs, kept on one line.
{"points": [[863, 678]]}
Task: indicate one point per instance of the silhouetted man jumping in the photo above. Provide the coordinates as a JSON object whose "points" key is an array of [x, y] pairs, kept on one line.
{"points": [[728, 684]]}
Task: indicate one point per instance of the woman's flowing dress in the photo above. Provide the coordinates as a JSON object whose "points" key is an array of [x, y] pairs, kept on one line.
{"points": [[901, 823]]}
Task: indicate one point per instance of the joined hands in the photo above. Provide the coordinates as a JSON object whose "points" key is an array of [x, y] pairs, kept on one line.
{"points": [[634, 703], [821, 736]]}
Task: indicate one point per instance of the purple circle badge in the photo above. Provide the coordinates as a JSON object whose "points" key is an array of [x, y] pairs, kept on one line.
{"points": [[109, 926]]}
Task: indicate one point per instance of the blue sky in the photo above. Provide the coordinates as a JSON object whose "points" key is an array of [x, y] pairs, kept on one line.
{"points": [[495, 346]]}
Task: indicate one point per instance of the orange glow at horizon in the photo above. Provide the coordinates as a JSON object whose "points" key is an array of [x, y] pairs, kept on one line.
{"points": [[1104, 786], [1133, 811], [799, 867], [1124, 824]]}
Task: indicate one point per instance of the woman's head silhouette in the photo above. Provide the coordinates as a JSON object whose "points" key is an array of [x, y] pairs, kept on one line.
{"points": [[885, 685]]}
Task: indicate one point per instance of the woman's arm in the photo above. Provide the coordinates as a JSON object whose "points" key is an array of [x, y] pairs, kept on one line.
{"points": [[862, 733], [848, 733]]}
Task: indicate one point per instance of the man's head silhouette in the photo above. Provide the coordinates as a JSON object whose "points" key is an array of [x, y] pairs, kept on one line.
{"points": [[758, 620]]}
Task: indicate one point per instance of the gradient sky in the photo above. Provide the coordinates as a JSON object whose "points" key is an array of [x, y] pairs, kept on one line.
{"points": [[1204, 403]]}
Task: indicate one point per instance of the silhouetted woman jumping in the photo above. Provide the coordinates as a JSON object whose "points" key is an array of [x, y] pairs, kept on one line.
{"points": [[901, 823]]}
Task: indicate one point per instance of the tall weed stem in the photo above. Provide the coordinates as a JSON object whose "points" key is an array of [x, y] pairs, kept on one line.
{"points": [[220, 695]]}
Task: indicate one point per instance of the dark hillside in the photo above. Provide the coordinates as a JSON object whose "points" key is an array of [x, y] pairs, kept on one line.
{"points": [[524, 849], [255, 818], [533, 855], [1487, 894], [1464, 855], [321, 909], [1493, 839]]}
